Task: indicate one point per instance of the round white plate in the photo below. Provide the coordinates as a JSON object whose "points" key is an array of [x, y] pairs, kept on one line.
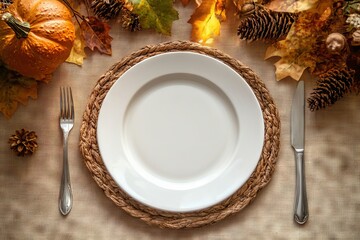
{"points": [[180, 131]]}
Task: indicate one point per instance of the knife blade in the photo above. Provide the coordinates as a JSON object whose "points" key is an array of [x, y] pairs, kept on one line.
{"points": [[297, 132]]}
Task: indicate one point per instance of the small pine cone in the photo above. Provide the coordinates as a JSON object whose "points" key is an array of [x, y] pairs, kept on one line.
{"points": [[265, 24], [331, 86], [130, 21], [107, 9], [23, 142]]}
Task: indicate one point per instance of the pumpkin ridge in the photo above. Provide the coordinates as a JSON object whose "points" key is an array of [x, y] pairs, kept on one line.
{"points": [[59, 7], [43, 65], [38, 38], [46, 39], [7, 36], [53, 38], [51, 20], [35, 5]]}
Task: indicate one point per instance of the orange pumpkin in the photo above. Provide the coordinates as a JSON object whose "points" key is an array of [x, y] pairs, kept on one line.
{"points": [[36, 36]]}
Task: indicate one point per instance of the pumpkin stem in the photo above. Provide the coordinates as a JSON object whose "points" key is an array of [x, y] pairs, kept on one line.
{"points": [[21, 29]]}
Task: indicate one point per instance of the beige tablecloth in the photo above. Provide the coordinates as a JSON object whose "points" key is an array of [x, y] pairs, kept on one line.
{"points": [[29, 187]]}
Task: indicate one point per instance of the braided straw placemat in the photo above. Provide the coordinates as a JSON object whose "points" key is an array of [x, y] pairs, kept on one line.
{"points": [[241, 198]]}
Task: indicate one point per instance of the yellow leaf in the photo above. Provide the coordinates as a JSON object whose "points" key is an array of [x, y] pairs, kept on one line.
{"points": [[206, 20], [299, 50], [291, 5], [77, 53], [273, 51], [285, 69]]}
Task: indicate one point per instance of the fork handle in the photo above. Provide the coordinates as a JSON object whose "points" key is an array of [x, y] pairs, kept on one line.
{"points": [[65, 197]]}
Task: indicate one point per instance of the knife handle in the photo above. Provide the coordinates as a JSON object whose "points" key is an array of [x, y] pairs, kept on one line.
{"points": [[301, 211]]}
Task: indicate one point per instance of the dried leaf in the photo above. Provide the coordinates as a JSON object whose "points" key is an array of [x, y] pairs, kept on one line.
{"points": [[206, 20], [185, 2], [291, 5], [220, 8], [298, 50], [158, 15], [77, 53], [285, 69], [14, 89], [96, 34]]}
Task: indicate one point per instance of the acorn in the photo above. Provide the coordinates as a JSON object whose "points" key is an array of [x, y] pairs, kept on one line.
{"points": [[356, 38], [335, 42], [247, 8]]}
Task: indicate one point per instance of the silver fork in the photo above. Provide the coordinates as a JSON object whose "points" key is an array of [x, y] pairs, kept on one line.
{"points": [[66, 124]]}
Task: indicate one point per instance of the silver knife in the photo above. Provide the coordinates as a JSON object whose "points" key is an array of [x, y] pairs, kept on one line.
{"points": [[301, 212]]}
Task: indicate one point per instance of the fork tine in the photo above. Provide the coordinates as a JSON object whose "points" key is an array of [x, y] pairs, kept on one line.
{"points": [[72, 115], [67, 103], [61, 102]]}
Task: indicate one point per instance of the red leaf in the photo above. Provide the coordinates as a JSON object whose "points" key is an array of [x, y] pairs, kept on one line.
{"points": [[185, 2], [96, 34]]}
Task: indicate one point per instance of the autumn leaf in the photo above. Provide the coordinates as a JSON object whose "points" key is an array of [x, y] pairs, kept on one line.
{"points": [[96, 34], [299, 50], [15, 89], [158, 15], [291, 5], [185, 2], [206, 20], [77, 53], [285, 68]]}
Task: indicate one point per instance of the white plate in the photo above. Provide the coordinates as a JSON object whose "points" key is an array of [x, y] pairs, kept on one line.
{"points": [[180, 131]]}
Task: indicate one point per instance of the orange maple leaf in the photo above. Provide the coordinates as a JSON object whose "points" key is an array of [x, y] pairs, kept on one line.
{"points": [[206, 20]]}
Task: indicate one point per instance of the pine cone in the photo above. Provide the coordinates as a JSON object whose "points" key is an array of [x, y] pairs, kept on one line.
{"points": [[107, 9], [265, 24], [331, 86], [23, 142], [130, 21]]}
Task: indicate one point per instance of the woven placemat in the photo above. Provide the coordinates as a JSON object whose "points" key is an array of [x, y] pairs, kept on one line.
{"points": [[241, 198]]}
